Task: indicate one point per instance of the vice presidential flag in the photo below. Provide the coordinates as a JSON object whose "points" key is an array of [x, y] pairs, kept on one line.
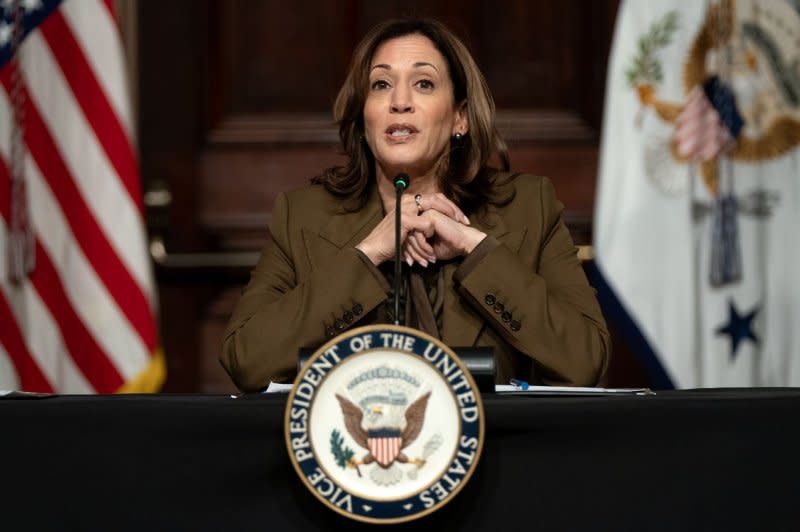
{"points": [[698, 211], [76, 290]]}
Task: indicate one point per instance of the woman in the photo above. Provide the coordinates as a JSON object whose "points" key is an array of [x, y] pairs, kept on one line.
{"points": [[489, 260]]}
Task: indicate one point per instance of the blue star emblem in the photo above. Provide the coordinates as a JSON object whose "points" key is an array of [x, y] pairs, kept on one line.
{"points": [[739, 327]]}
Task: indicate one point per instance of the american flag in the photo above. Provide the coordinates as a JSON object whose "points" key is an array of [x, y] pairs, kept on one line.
{"points": [[77, 301]]}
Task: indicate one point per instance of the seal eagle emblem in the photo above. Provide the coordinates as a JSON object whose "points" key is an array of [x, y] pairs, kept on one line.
{"points": [[384, 424], [384, 442]]}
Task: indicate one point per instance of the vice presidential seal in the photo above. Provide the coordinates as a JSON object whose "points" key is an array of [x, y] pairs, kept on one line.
{"points": [[384, 424]]}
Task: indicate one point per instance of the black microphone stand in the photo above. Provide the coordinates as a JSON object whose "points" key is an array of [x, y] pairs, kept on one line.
{"points": [[400, 184]]}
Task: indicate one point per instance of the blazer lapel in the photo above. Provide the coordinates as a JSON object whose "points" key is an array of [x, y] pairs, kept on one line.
{"points": [[343, 229]]}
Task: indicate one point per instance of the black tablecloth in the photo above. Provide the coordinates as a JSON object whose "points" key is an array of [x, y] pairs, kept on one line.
{"points": [[689, 460]]}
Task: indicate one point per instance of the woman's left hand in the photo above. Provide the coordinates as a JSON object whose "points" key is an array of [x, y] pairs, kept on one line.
{"points": [[448, 239]]}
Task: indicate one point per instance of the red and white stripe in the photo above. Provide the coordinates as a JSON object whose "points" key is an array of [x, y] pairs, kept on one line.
{"points": [[84, 320], [385, 449]]}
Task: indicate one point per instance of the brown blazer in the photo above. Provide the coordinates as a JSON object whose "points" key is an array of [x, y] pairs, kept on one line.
{"points": [[310, 277]]}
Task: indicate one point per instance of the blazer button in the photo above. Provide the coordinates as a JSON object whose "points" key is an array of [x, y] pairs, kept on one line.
{"points": [[329, 332], [506, 316], [339, 324], [515, 325], [348, 316], [490, 299], [499, 308], [358, 309]]}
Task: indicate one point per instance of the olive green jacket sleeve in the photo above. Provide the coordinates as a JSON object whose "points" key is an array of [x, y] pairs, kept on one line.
{"points": [[524, 293], [305, 285], [531, 292]]}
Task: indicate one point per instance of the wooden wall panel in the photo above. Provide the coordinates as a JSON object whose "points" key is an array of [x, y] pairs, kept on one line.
{"points": [[234, 107], [286, 57]]}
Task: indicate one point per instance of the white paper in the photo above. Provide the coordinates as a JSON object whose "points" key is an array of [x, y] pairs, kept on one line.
{"points": [[277, 387]]}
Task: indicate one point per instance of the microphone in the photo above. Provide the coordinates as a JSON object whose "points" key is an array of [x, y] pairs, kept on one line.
{"points": [[401, 181]]}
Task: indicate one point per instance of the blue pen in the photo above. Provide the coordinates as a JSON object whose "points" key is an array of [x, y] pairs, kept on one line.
{"points": [[522, 385]]}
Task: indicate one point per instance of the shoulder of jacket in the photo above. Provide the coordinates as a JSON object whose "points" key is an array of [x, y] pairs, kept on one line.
{"points": [[313, 201], [309, 194], [521, 180], [525, 188], [310, 205]]}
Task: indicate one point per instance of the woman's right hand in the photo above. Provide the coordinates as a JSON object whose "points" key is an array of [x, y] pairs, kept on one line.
{"points": [[379, 245]]}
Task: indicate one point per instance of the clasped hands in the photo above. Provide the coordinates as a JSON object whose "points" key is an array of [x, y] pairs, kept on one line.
{"points": [[432, 228]]}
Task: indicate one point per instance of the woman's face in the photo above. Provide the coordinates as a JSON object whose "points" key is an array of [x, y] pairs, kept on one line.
{"points": [[409, 114]]}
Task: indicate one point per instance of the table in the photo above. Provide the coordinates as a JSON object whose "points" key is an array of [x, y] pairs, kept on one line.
{"points": [[681, 460]]}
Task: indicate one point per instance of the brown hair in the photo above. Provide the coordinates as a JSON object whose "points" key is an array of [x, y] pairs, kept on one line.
{"points": [[463, 176]]}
